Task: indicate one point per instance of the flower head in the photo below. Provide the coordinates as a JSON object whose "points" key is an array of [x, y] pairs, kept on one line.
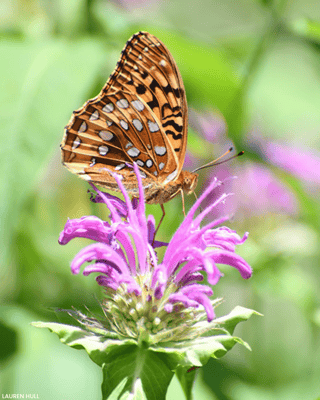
{"points": [[165, 299], [267, 193], [300, 161]]}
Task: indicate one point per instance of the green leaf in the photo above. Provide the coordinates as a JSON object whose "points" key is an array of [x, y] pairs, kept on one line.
{"points": [[141, 373], [237, 315], [215, 343], [98, 347], [115, 395], [307, 29], [124, 364], [10, 338], [266, 2], [39, 90], [136, 372], [138, 392], [186, 377]]}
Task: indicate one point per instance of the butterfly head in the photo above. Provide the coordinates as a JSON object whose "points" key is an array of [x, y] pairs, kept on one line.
{"points": [[190, 181]]}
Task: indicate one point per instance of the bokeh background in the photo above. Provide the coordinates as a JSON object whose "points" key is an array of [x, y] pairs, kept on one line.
{"points": [[252, 75]]}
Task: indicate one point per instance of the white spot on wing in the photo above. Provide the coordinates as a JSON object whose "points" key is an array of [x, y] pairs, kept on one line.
{"points": [[149, 163], [123, 103], [76, 143], [171, 177], [138, 105], [124, 124], [160, 150], [140, 163], [137, 124], [103, 150], [153, 126], [133, 152], [129, 144], [109, 123], [94, 116], [108, 108], [83, 127], [106, 135], [120, 167], [155, 173], [93, 161], [162, 63], [161, 166]]}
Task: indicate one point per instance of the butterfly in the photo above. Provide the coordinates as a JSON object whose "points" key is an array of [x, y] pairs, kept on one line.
{"points": [[139, 116]]}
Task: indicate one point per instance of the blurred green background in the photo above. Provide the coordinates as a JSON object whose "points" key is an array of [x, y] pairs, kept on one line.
{"points": [[252, 75]]}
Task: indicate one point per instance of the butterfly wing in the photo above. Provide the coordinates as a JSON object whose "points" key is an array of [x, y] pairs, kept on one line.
{"points": [[147, 68], [140, 115]]}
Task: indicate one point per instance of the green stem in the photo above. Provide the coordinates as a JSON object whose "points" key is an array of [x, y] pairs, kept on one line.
{"points": [[267, 39]]}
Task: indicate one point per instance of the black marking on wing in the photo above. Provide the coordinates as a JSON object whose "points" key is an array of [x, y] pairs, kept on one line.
{"points": [[153, 85], [163, 108], [144, 74], [172, 110], [153, 103], [130, 82], [179, 114], [175, 136], [177, 127], [141, 89], [169, 89]]}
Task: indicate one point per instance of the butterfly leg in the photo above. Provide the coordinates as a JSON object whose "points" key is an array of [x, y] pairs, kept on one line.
{"points": [[183, 206], [161, 219]]}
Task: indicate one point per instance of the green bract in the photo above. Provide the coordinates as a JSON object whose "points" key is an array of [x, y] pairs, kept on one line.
{"points": [[142, 371]]}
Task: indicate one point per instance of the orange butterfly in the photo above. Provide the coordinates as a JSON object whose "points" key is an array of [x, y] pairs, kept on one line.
{"points": [[139, 116]]}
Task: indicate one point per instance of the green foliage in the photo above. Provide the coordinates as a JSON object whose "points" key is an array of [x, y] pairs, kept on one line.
{"points": [[307, 28], [258, 63], [146, 372]]}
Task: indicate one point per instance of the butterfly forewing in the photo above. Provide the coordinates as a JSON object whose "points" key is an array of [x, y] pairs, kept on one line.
{"points": [[147, 68], [140, 115]]}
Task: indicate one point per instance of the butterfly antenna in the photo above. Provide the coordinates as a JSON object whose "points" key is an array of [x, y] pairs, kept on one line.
{"points": [[215, 162]]}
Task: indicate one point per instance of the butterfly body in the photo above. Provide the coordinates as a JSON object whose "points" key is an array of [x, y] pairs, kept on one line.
{"points": [[139, 116], [159, 193]]}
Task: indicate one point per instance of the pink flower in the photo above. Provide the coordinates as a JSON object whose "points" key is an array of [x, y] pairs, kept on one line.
{"points": [[124, 253], [303, 163]]}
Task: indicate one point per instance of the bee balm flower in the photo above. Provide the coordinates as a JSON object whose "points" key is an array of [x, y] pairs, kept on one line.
{"points": [[165, 299]]}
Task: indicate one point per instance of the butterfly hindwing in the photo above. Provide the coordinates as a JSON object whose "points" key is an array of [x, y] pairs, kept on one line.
{"points": [[140, 115]]}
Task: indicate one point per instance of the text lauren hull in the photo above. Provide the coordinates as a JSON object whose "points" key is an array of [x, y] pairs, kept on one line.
{"points": [[20, 396]]}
